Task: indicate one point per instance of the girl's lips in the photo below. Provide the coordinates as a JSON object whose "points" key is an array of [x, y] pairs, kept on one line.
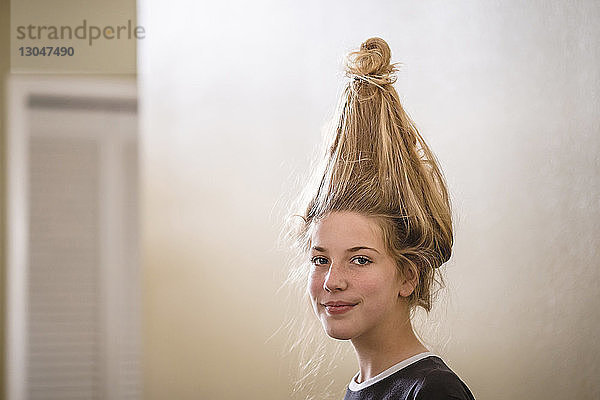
{"points": [[338, 309]]}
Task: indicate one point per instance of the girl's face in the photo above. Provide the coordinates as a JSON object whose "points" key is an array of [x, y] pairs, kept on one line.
{"points": [[354, 286]]}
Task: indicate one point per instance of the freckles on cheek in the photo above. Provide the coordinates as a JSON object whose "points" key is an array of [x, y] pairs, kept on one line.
{"points": [[315, 284], [370, 284], [371, 287]]}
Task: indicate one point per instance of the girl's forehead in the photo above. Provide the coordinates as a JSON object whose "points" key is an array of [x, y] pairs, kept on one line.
{"points": [[346, 229]]}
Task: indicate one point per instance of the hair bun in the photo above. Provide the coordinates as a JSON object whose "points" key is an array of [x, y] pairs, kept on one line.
{"points": [[372, 62]]}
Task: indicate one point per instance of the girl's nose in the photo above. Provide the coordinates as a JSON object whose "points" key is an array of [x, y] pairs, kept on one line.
{"points": [[335, 279]]}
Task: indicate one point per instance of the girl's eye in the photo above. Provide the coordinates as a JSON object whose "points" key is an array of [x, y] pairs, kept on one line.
{"points": [[361, 261], [318, 260]]}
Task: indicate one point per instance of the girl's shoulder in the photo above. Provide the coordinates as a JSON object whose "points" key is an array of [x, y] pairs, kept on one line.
{"points": [[440, 382], [427, 378]]}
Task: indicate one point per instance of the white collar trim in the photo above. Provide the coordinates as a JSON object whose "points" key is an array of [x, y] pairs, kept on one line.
{"points": [[354, 386]]}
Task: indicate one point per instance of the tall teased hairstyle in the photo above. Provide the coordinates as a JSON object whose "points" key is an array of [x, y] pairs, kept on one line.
{"points": [[377, 164]]}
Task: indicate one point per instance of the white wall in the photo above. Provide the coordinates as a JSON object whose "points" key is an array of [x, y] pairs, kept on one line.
{"points": [[233, 96]]}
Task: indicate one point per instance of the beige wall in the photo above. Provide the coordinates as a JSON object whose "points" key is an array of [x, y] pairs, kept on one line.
{"points": [[4, 68], [90, 56], [233, 96]]}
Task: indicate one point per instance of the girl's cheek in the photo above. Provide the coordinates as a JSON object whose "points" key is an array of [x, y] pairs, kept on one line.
{"points": [[369, 285], [315, 282]]}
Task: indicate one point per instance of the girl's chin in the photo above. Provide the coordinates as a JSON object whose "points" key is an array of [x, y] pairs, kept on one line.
{"points": [[338, 333]]}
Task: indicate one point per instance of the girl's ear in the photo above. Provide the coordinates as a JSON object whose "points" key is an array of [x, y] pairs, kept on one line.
{"points": [[408, 280]]}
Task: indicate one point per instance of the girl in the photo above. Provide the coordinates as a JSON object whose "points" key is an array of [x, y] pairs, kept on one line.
{"points": [[376, 229]]}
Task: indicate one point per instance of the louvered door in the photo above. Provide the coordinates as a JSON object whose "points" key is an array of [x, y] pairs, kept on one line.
{"points": [[74, 300]]}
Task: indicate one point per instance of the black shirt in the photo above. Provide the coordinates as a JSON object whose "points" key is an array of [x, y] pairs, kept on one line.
{"points": [[424, 376]]}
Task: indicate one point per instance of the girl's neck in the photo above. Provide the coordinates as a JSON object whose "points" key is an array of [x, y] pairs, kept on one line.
{"points": [[376, 353]]}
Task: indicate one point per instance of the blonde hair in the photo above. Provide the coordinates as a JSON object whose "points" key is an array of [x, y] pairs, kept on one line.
{"points": [[377, 164]]}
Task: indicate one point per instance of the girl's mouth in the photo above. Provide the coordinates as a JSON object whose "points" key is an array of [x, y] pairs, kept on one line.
{"points": [[338, 309]]}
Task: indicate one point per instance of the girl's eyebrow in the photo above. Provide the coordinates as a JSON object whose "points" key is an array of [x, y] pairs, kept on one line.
{"points": [[350, 250]]}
